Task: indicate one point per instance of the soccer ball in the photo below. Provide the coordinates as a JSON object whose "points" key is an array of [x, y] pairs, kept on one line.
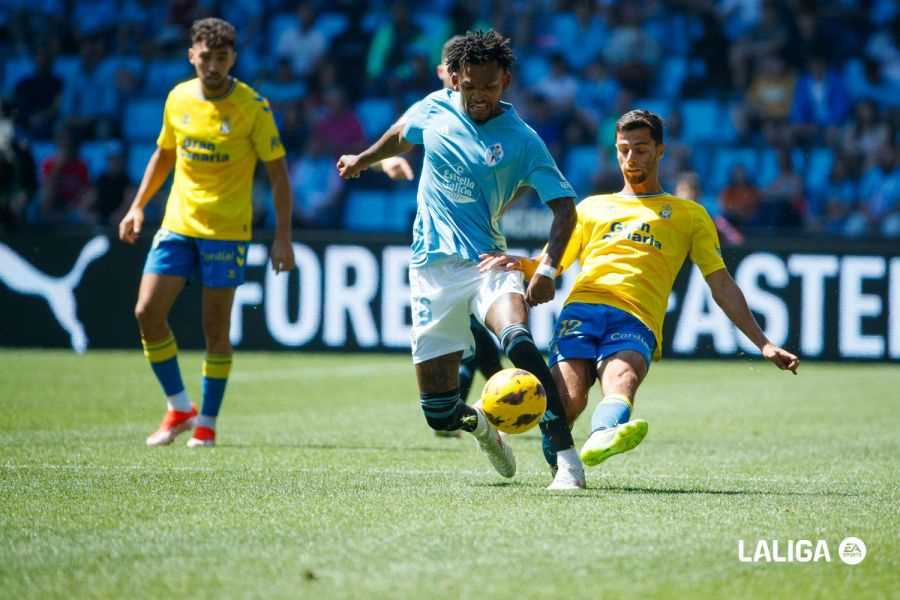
{"points": [[513, 400]]}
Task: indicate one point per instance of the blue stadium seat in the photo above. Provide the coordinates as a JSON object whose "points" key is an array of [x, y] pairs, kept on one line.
{"points": [[581, 164], [376, 115], [278, 25], [162, 75], [726, 159], [67, 67], [41, 151], [655, 105], [142, 120], [138, 155], [366, 211], [701, 120], [14, 71], [533, 69], [818, 168], [332, 24], [399, 211], [95, 154], [671, 77]]}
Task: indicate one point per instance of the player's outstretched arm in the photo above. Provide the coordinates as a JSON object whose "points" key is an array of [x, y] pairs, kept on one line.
{"points": [[390, 144], [396, 168], [542, 286], [731, 299], [158, 168], [282, 252]]}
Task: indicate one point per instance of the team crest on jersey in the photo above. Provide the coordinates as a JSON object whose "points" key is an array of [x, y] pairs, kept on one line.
{"points": [[493, 154], [225, 126], [666, 212], [185, 119]]}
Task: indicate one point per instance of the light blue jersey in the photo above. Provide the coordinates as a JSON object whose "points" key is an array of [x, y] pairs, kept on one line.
{"points": [[471, 174]]}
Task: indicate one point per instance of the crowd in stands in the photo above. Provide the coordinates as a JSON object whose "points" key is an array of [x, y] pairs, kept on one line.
{"points": [[783, 117]]}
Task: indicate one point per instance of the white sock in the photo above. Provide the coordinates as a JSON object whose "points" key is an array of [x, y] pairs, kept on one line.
{"points": [[568, 459], [179, 402], [204, 421]]}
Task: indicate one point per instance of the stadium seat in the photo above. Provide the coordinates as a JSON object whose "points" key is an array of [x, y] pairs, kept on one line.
{"points": [[726, 159], [332, 24], [376, 115], [701, 120], [581, 164], [366, 211], [138, 155], [162, 75], [41, 151], [399, 210], [95, 155], [533, 69], [655, 105], [142, 120], [67, 67], [279, 24], [14, 71], [671, 77], [818, 168]]}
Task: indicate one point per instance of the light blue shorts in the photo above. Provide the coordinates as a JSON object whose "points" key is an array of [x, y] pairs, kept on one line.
{"points": [[216, 263], [597, 331]]}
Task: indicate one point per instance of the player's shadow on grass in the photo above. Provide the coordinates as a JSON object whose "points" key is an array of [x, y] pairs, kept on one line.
{"points": [[345, 447]]}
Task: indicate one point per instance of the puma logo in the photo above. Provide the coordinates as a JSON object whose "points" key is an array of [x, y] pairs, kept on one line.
{"points": [[59, 292]]}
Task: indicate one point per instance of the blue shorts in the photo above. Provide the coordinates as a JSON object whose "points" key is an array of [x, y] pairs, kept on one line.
{"points": [[217, 263], [596, 331]]}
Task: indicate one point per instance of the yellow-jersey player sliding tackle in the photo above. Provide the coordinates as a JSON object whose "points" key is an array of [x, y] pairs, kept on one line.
{"points": [[630, 245], [215, 129]]}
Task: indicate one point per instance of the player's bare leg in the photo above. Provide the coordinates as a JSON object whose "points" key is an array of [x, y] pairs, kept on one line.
{"points": [[156, 295], [612, 429], [217, 304], [507, 318], [438, 380]]}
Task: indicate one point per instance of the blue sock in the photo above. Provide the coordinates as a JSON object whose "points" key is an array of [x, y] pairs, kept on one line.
{"points": [[613, 410], [169, 376], [163, 357], [216, 369]]}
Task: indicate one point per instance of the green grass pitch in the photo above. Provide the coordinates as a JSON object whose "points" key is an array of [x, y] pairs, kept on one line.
{"points": [[327, 484]]}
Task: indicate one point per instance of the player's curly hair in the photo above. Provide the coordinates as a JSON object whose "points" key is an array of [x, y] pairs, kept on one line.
{"points": [[478, 48], [217, 33], [635, 119]]}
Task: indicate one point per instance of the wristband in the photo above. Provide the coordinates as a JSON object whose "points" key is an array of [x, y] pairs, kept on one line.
{"points": [[545, 270]]}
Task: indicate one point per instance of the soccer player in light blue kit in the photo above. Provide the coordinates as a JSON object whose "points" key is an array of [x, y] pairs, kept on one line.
{"points": [[479, 155]]}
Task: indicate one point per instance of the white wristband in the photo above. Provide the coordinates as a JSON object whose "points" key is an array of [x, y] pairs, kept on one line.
{"points": [[546, 270]]}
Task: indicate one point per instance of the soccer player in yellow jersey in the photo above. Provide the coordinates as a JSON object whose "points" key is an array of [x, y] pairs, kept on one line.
{"points": [[214, 130], [631, 246]]}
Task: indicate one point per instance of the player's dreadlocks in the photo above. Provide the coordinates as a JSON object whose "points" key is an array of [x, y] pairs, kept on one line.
{"points": [[478, 48], [217, 33]]}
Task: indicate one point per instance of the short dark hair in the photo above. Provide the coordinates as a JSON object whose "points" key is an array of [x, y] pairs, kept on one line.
{"points": [[478, 48], [636, 119], [217, 33], [445, 50]]}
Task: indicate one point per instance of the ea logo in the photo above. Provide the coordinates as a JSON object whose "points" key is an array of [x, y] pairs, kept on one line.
{"points": [[493, 154], [852, 550]]}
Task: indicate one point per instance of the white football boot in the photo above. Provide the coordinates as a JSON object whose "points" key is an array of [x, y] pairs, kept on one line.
{"points": [[491, 443], [569, 474]]}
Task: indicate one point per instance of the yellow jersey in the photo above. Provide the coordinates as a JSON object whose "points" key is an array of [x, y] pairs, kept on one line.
{"points": [[218, 142], [631, 248]]}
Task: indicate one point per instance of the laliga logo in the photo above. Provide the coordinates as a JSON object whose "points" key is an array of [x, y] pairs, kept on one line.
{"points": [[59, 292], [851, 551]]}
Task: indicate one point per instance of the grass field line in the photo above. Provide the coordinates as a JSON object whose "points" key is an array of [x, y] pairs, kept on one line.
{"points": [[303, 372], [395, 471]]}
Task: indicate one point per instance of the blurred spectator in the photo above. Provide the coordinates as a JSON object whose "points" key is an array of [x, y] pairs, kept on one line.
{"points": [[546, 121], [579, 35], [317, 188], [770, 98], [113, 191], [880, 189], [837, 211], [783, 201], [37, 97], [596, 93], [739, 201], [632, 54], [339, 127], [393, 39], [64, 195], [282, 87], [865, 135], [765, 38], [559, 87], [17, 180], [302, 43], [688, 187], [821, 103], [90, 102]]}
